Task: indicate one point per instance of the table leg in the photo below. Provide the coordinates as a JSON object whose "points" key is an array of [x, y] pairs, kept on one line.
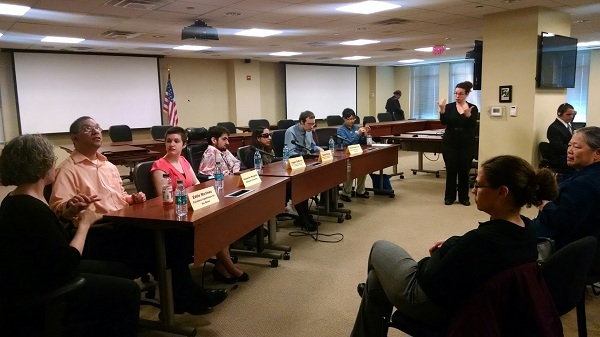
{"points": [[420, 166]]}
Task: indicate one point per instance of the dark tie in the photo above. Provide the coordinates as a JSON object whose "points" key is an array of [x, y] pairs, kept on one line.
{"points": [[570, 128]]}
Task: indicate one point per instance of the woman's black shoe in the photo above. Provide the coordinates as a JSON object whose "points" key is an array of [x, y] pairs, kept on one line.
{"points": [[448, 202], [360, 288], [466, 202], [244, 278], [219, 277]]}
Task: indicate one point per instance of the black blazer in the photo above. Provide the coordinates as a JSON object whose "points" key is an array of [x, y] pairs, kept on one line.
{"points": [[558, 137]]}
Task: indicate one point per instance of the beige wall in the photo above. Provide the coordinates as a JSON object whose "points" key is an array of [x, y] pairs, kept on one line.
{"points": [[593, 106]]}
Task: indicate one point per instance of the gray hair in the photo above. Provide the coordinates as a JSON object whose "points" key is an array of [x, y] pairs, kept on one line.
{"points": [[25, 160], [591, 136]]}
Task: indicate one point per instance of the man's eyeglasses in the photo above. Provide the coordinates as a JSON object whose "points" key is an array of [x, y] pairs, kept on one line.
{"points": [[477, 186], [88, 129], [266, 135]]}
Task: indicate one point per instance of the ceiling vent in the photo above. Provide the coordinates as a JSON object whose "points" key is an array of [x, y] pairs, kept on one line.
{"points": [[146, 5], [119, 34], [394, 49], [389, 22], [323, 58], [318, 44]]}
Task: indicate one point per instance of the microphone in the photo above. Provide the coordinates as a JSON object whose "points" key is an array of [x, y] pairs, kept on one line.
{"points": [[261, 151], [300, 145], [343, 138]]}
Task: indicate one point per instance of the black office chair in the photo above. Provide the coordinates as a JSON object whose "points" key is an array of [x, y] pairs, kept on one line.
{"points": [[545, 153], [158, 131], [594, 274], [196, 135], [120, 133], [565, 273], [334, 120], [254, 124], [229, 126], [398, 116], [357, 120], [322, 136], [50, 305], [193, 153], [384, 117], [283, 124], [277, 141], [242, 154], [143, 179], [369, 119]]}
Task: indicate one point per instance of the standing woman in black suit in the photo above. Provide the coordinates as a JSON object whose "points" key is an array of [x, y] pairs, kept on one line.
{"points": [[458, 142]]}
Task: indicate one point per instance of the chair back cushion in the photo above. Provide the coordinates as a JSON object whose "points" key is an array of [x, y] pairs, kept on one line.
{"points": [[384, 117], [158, 131], [242, 153], [143, 179], [321, 136], [277, 141], [193, 153], [369, 119], [334, 120], [196, 134], [254, 124], [229, 126], [285, 123], [120, 133]]}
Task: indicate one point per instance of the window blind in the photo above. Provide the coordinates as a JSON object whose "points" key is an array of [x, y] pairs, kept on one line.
{"points": [[424, 92], [578, 96]]}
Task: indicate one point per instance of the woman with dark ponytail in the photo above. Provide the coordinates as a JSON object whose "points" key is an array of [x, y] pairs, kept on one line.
{"points": [[458, 142], [430, 290]]}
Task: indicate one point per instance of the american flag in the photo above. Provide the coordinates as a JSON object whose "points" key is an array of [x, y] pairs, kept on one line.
{"points": [[169, 106]]}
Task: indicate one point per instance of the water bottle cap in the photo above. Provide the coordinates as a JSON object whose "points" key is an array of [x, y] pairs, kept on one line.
{"points": [[179, 181]]}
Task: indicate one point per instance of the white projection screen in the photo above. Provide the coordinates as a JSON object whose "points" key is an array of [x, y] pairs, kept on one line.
{"points": [[55, 89], [323, 89]]}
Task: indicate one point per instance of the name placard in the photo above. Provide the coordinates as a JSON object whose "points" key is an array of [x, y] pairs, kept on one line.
{"points": [[353, 150], [249, 178], [296, 163], [325, 157], [202, 198]]}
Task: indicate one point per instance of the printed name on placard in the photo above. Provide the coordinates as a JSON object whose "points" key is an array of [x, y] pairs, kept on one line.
{"points": [[353, 150], [325, 156], [202, 198], [296, 163], [249, 178]]}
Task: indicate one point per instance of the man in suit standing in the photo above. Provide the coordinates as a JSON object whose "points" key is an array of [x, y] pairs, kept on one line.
{"points": [[392, 106], [559, 134]]}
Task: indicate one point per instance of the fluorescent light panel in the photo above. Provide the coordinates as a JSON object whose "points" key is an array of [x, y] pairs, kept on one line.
{"points": [[356, 58], [589, 44], [428, 49], [285, 53], [258, 32], [360, 42], [189, 47], [410, 61], [59, 39], [367, 7], [14, 10]]}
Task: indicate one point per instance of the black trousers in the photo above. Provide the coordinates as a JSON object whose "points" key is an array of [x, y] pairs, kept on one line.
{"points": [[458, 158]]}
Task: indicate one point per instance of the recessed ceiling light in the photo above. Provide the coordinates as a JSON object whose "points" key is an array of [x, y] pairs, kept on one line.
{"points": [[285, 53], [189, 47], [1, 34], [367, 7], [59, 39], [410, 61], [15, 10], [355, 58], [544, 34], [582, 21], [158, 36], [359, 42], [362, 29], [258, 32], [428, 49], [589, 44]]}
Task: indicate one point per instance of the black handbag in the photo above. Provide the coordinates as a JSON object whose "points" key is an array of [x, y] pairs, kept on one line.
{"points": [[545, 247]]}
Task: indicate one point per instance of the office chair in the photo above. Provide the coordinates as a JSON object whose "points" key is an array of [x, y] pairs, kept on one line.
{"points": [[322, 136], [545, 153], [277, 141], [398, 116], [242, 153], [357, 120], [384, 117], [158, 131], [143, 179], [229, 126], [514, 302], [196, 135], [254, 124], [52, 306], [334, 120], [283, 124], [565, 273], [193, 153], [594, 274], [120, 133], [369, 119]]}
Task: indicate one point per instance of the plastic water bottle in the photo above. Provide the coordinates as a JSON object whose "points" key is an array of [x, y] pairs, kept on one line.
{"points": [[218, 177], [257, 161], [180, 199], [286, 155], [369, 139], [167, 190], [331, 143]]}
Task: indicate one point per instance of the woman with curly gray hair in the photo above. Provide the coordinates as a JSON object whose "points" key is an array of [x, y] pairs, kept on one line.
{"points": [[37, 254]]}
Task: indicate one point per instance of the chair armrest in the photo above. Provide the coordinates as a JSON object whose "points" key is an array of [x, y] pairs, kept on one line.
{"points": [[52, 295], [204, 177]]}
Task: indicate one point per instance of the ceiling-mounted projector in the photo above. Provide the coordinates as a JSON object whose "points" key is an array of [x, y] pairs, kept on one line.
{"points": [[199, 31]]}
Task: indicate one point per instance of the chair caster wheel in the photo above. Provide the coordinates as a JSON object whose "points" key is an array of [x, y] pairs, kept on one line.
{"points": [[234, 259], [414, 173], [348, 216], [437, 175], [340, 205], [340, 219], [392, 195], [402, 177], [274, 263], [286, 256]]}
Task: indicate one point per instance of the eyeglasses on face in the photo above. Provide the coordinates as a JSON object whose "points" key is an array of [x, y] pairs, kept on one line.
{"points": [[266, 135], [459, 94], [88, 129], [477, 186]]}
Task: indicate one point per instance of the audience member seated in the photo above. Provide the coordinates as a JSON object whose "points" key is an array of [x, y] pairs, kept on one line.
{"points": [[349, 134], [88, 180], [261, 139], [559, 134], [178, 168], [216, 152], [430, 290], [575, 213], [37, 254], [301, 134]]}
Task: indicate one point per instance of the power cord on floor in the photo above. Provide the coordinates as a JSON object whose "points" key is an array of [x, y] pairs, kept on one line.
{"points": [[315, 234]]}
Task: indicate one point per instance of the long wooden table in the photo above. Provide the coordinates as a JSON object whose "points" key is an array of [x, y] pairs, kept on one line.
{"points": [[121, 154], [398, 127], [420, 143], [150, 144], [215, 227]]}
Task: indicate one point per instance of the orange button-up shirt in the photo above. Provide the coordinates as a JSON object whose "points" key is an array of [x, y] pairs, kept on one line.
{"points": [[78, 174]]}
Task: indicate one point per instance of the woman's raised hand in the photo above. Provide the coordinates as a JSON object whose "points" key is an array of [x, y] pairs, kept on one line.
{"points": [[441, 105]]}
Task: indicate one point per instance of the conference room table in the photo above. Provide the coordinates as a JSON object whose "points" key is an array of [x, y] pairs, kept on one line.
{"points": [[150, 144], [398, 127], [421, 142], [215, 226], [122, 154]]}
